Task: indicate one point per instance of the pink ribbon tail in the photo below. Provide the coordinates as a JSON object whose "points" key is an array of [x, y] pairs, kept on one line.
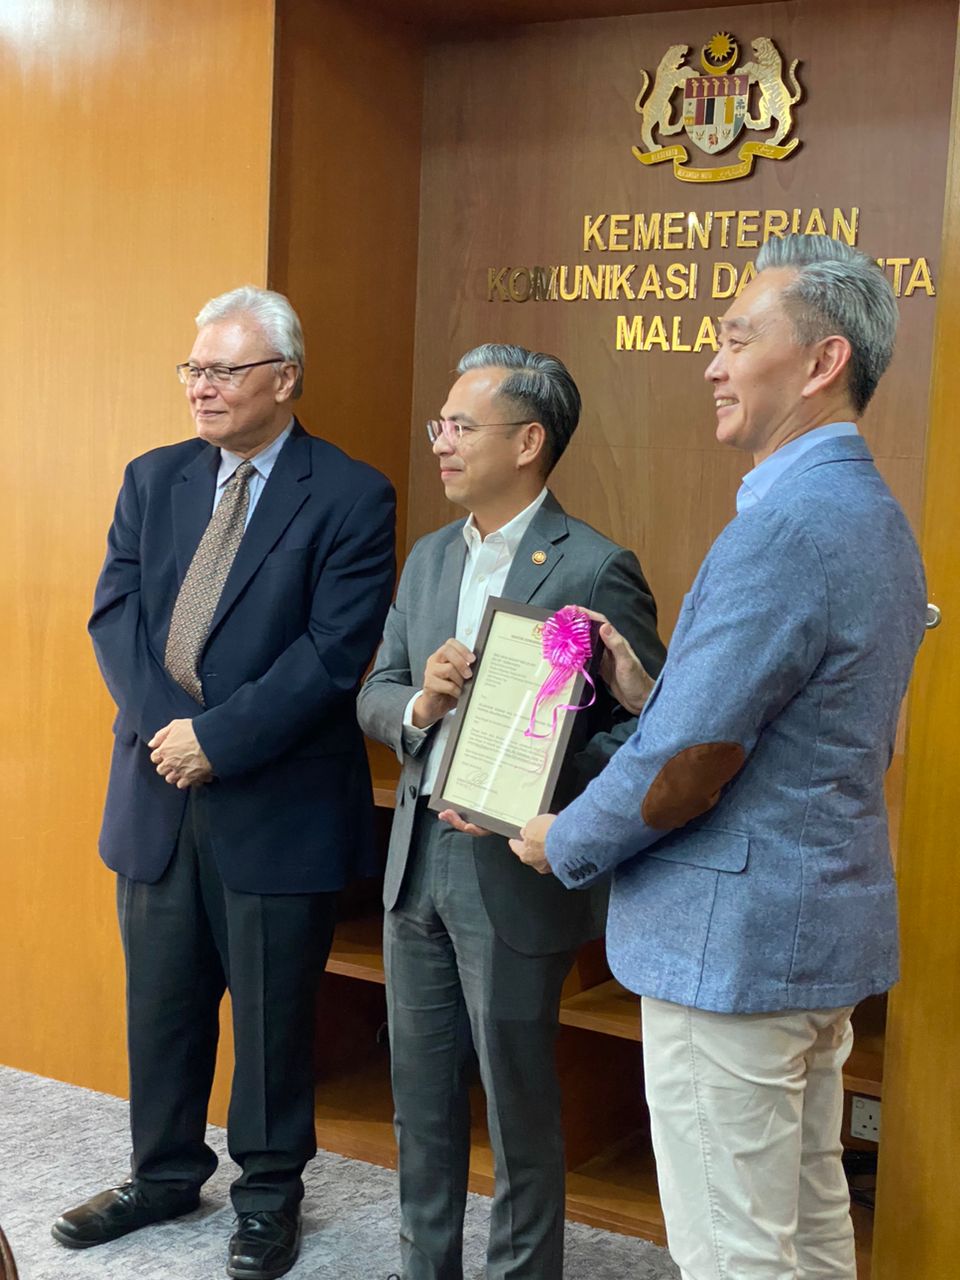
{"points": [[545, 694]]}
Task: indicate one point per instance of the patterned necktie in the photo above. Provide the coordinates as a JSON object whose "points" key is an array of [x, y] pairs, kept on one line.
{"points": [[201, 588]]}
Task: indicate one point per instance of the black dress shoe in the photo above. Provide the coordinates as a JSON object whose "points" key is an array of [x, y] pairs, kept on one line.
{"points": [[265, 1244], [122, 1209]]}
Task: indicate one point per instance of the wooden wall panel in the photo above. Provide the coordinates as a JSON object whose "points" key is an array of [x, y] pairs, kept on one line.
{"points": [[135, 179], [917, 1228], [343, 236], [528, 129], [345, 207]]}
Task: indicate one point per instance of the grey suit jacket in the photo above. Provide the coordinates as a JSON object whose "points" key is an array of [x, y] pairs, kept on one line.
{"points": [[745, 818], [534, 914]]}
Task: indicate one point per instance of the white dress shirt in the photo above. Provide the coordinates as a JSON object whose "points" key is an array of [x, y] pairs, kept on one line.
{"points": [[484, 574]]}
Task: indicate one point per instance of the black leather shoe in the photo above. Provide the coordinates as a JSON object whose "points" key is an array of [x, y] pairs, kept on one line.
{"points": [[265, 1244], [120, 1210]]}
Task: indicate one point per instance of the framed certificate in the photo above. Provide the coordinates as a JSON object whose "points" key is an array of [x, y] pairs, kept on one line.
{"points": [[491, 772]]}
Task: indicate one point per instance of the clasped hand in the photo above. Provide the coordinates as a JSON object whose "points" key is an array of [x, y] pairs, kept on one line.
{"points": [[179, 757]]}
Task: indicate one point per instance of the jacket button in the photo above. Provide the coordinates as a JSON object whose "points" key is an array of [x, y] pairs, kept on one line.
{"points": [[412, 791]]}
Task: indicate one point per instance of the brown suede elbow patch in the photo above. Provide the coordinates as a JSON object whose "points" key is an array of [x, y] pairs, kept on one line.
{"points": [[690, 783]]}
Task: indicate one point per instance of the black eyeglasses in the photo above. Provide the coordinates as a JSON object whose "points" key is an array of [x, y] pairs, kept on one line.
{"points": [[219, 374]]}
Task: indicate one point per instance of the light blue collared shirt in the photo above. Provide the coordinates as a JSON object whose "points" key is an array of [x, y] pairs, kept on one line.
{"points": [[756, 484], [262, 466]]}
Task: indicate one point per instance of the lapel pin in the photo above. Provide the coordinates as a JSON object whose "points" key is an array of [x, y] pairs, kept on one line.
{"points": [[539, 557]]}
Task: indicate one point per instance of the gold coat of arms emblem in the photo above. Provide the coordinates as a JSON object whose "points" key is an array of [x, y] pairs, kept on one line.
{"points": [[713, 107]]}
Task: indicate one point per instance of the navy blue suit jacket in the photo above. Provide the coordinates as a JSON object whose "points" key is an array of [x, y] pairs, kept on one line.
{"points": [[290, 806]]}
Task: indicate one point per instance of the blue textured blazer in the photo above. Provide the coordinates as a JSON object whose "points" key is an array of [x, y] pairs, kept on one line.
{"points": [[745, 817], [290, 808]]}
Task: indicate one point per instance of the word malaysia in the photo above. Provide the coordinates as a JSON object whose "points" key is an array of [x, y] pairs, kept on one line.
{"points": [[650, 234]]}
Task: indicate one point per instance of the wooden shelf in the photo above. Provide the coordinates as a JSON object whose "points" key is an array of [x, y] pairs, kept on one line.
{"points": [[613, 1011], [617, 1190], [354, 1117], [357, 950], [384, 794], [354, 1113], [608, 1008]]}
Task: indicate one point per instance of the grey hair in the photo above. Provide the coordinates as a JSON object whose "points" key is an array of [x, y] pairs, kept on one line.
{"points": [[272, 312], [838, 289], [540, 384]]}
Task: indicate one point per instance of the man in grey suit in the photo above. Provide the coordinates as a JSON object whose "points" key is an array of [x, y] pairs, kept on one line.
{"points": [[476, 948], [753, 900]]}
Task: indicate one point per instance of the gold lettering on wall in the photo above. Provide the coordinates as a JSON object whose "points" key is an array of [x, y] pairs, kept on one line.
{"points": [[641, 333], [678, 231], [920, 278], [720, 229]]}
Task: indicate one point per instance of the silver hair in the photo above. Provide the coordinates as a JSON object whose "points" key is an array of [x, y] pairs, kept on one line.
{"points": [[272, 312], [838, 289], [540, 384]]}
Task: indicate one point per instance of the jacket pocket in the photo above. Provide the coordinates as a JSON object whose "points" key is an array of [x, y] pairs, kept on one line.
{"points": [[705, 847], [122, 731]]}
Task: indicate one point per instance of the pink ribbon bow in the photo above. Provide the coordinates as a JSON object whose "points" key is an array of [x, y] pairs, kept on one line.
{"points": [[567, 647]]}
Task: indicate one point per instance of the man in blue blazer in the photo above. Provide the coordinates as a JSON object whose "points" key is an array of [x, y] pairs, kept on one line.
{"points": [[247, 578], [753, 901]]}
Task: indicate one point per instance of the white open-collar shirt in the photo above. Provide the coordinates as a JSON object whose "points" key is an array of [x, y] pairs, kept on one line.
{"points": [[484, 575]]}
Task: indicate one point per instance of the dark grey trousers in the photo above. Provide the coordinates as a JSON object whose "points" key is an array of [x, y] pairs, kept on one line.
{"points": [[186, 939], [453, 984]]}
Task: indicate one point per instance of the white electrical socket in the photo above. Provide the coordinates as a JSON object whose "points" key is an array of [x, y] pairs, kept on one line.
{"points": [[865, 1118]]}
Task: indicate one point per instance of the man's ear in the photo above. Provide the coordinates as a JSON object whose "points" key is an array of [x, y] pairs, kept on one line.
{"points": [[534, 440], [288, 375], [828, 363]]}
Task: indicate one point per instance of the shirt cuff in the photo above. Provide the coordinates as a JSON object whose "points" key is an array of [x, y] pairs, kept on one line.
{"points": [[413, 737]]}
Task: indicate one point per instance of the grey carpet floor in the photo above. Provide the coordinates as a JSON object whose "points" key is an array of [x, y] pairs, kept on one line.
{"points": [[60, 1144]]}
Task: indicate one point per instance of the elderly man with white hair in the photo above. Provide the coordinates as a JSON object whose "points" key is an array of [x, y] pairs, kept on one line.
{"points": [[247, 577]]}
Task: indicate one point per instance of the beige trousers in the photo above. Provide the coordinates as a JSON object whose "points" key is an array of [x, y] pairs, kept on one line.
{"points": [[746, 1111]]}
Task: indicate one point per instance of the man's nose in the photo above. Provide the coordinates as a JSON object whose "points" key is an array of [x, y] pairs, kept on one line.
{"points": [[443, 445], [203, 386], [714, 370]]}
